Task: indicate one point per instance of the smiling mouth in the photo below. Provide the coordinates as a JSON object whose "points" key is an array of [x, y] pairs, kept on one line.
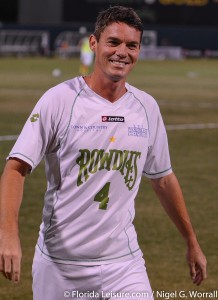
{"points": [[119, 63]]}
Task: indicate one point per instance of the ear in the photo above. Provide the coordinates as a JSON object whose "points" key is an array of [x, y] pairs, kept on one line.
{"points": [[92, 42]]}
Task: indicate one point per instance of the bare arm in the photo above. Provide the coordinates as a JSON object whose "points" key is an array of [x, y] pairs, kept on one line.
{"points": [[11, 194], [169, 192]]}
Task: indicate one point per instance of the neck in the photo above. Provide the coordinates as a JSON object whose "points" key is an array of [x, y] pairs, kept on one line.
{"points": [[106, 88]]}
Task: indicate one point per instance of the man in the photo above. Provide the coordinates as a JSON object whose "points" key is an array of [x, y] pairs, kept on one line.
{"points": [[98, 135]]}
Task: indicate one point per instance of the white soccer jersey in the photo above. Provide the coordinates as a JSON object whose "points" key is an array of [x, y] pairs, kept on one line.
{"points": [[95, 153]]}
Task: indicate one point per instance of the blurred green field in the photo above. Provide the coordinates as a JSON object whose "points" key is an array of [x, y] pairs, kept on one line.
{"points": [[187, 92]]}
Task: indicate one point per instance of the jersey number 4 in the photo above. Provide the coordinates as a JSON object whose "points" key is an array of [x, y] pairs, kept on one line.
{"points": [[102, 196]]}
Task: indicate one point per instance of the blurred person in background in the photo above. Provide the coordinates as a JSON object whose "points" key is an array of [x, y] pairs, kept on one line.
{"points": [[86, 54]]}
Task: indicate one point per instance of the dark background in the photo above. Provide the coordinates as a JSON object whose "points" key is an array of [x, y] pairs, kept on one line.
{"points": [[179, 12]]}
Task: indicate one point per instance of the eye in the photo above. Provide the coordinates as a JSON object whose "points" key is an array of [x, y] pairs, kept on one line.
{"points": [[132, 46], [113, 43]]}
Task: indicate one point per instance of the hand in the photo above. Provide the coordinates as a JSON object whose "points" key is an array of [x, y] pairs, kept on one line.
{"points": [[10, 257], [197, 263]]}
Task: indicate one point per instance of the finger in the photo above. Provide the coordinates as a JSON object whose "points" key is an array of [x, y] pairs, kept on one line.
{"points": [[204, 272], [16, 270], [198, 280], [192, 271], [201, 274], [1, 264], [7, 267], [2, 268]]}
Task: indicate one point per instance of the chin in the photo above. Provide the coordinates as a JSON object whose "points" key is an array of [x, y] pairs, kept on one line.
{"points": [[117, 76]]}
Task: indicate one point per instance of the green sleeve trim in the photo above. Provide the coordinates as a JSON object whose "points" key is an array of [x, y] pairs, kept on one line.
{"points": [[20, 154], [153, 174]]}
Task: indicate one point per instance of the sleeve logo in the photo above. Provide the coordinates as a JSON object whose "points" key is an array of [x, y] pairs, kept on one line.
{"points": [[34, 118]]}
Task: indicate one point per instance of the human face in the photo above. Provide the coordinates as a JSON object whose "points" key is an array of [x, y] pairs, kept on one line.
{"points": [[116, 51]]}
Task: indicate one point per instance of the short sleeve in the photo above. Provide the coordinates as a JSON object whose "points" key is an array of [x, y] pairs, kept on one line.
{"points": [[38, 134], [158, 158]]}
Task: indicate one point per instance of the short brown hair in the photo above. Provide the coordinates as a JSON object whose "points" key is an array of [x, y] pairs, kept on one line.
{"points": [[117, 14]]}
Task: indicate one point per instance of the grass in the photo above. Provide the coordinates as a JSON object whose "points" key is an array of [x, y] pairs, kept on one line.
{"points": [[187, 93]]}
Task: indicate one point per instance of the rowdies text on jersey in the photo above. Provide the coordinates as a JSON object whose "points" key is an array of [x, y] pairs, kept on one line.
{"points": [[96, 160]]}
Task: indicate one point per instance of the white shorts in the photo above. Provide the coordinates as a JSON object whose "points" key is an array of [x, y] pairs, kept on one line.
{"points": [[119, 281]]}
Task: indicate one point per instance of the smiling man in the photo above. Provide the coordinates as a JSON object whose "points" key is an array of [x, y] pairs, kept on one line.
{"points": [[98, 136], [117, 50]]}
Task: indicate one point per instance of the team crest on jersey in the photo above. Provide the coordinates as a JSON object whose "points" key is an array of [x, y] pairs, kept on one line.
{"points": [[112, 119], [137, 131], [34, 118]]}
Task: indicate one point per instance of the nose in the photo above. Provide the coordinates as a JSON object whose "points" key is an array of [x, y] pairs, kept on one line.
{"points": [[121, 50]]}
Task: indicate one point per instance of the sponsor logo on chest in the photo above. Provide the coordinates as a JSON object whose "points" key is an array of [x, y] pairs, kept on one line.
{"points": [[112, 119]]}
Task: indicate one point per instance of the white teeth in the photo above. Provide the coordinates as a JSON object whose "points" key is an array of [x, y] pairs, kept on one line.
{"points": [[118, 63]]}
